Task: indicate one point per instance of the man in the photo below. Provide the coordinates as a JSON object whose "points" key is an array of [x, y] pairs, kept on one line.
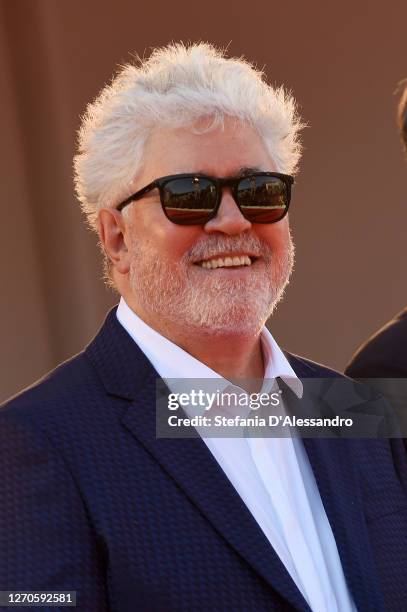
{"points": [[383, 358], [184, 169]]}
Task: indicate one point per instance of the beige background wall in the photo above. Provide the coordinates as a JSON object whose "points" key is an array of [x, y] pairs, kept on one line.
{"points": [[349, 212]]}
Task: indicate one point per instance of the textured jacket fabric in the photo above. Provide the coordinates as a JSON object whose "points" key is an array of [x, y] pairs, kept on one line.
{"points": [[93, 502]]}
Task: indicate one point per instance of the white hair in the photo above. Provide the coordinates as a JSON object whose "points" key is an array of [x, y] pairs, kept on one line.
{"points": [[175, 87]]}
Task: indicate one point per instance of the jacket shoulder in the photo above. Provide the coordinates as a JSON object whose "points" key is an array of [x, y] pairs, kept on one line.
{"points": [[307, 368], [383, 354], [60, 388]]}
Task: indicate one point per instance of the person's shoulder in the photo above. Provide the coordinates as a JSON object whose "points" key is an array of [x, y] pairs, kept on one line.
{"points": [[306, 368], [61, 389], [402, 316], [396, 325], [356, 391], [315, 374], [383, 354]]}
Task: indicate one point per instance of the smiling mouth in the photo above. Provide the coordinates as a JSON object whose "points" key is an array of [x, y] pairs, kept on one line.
{"points": [[235, 261]]}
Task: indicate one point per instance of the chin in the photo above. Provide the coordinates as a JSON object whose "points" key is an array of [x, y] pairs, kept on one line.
{"points": [[236, 321]]}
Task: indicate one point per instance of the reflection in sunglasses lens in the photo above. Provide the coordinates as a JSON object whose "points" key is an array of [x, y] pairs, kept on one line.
{"points": [[192, 200], [262, 199]]}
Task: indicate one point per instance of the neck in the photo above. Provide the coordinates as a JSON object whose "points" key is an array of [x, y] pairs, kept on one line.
{"points": [[235, 356]]}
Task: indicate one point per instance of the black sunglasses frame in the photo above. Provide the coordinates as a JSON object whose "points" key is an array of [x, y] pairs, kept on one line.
{"points": [[232, 182]]}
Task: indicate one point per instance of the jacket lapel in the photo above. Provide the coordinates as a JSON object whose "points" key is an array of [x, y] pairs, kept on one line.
{"points": [[125, 372], [189, 462], [335, 474]]}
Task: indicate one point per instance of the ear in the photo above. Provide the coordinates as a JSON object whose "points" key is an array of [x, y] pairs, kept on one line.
{"points": [[112, 234]]}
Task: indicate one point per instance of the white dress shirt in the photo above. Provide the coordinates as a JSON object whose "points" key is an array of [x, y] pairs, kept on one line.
{"points": [[273, 476]]}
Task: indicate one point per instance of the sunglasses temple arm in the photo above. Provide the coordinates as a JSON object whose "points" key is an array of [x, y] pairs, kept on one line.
{"points": [[137, 195]]}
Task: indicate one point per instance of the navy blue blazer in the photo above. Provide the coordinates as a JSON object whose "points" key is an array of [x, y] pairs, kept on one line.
{"points": [[92, 501]]}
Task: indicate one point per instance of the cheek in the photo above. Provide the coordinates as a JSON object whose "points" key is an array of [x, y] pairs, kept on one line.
{"points": [[277, 235], [169, 240]]}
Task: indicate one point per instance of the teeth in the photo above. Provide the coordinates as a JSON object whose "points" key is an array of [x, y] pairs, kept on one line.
{"points": [[226, 262]]}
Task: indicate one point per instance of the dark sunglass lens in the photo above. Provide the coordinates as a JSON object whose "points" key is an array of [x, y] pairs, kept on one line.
{"points": [[189, 200], [263, 199]]}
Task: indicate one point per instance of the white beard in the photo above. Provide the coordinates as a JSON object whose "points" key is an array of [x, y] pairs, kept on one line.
{"points": [[184, 296]]}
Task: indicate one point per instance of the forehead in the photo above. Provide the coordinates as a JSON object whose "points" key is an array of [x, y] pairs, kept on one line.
{"points": [[222, 151]]}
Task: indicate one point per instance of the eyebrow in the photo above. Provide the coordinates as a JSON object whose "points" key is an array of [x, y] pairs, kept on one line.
{"points": [[244, 171], [248, 170]]}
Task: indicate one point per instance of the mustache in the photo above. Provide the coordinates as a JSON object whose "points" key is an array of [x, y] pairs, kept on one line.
{"points": [[213, 245]]}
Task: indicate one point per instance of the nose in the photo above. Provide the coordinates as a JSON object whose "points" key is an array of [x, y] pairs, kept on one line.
{"points": [[229, 220]]}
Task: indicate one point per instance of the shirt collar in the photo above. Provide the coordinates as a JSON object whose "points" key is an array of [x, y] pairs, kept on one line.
{"points": [[172, 362]]}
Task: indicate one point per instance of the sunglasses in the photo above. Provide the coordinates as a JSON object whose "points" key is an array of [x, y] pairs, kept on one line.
{"points": [[194, 199]]}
